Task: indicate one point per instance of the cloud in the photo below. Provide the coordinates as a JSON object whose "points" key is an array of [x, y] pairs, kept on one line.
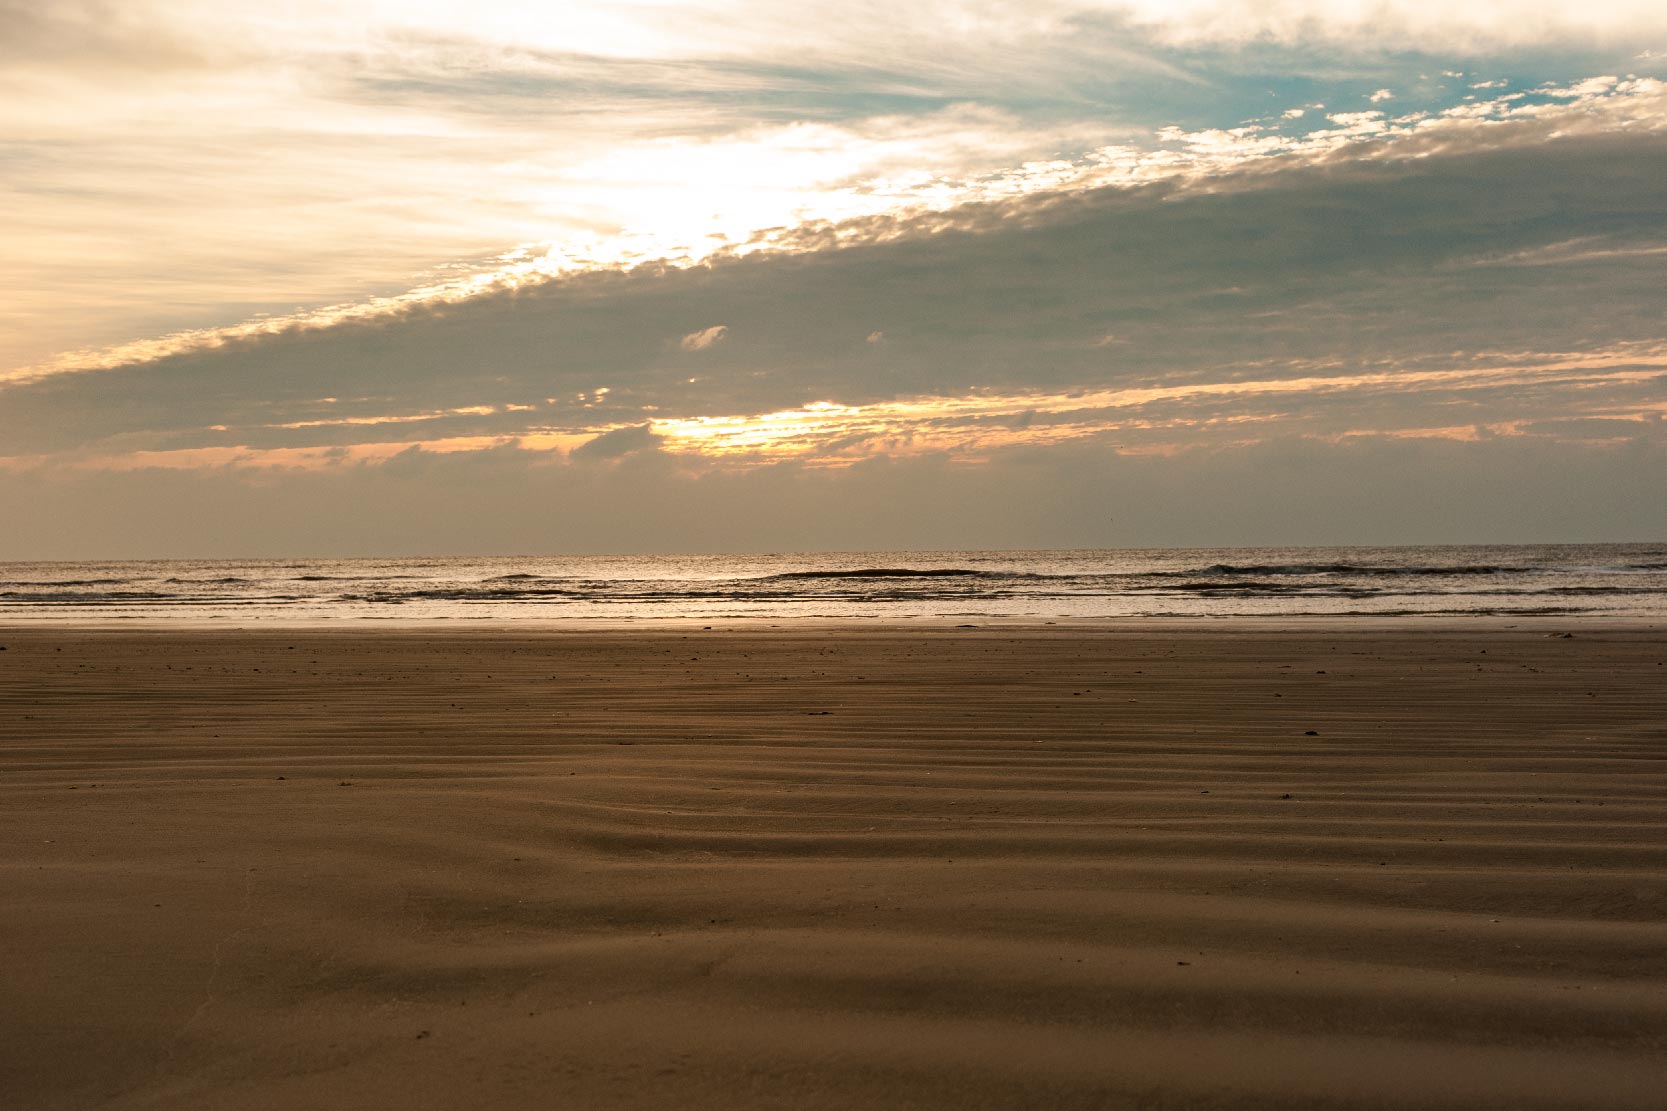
{"points": [[1475, 26], [402, 144], [619, 442], [704, 338], [414, 145], [1594, 104], [1480, 273]]}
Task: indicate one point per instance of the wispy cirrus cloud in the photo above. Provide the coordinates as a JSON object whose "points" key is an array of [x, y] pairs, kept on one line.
{"points": [[1477, 26]]}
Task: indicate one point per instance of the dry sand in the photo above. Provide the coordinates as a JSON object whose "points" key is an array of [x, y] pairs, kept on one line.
{"points": [[822, 869]]}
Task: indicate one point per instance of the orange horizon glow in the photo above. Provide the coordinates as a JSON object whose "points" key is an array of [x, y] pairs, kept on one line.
{"points": [[965, 429]]}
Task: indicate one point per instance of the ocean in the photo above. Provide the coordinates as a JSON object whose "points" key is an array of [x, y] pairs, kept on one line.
{"points": [[1578, 580]]}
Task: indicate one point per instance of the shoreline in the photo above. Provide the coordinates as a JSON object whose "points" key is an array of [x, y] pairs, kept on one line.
{"points": [[1398, 586], [1258, 623]]}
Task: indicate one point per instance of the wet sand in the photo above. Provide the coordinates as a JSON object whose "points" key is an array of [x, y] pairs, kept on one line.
{"points": [[944, 868]]}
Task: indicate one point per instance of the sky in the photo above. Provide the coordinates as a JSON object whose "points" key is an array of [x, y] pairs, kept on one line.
{"points": [[427, 277]]}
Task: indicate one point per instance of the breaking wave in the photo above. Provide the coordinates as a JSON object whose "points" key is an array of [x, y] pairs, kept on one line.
{"points": [[1593, 579]]}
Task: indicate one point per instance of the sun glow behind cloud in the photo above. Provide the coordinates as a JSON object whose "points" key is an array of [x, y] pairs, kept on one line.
{"points": [[967, 427], [1144, 420], [768, 187]]}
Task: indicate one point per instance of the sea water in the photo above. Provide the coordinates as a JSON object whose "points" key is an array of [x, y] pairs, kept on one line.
{"points": [[1605, 580]]}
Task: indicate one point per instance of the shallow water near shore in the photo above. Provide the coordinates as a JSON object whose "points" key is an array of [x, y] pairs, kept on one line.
{"points": [[1605, 580]]}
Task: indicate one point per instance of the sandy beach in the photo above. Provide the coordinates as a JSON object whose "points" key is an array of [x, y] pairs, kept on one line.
{"points": [[810, 868]]}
